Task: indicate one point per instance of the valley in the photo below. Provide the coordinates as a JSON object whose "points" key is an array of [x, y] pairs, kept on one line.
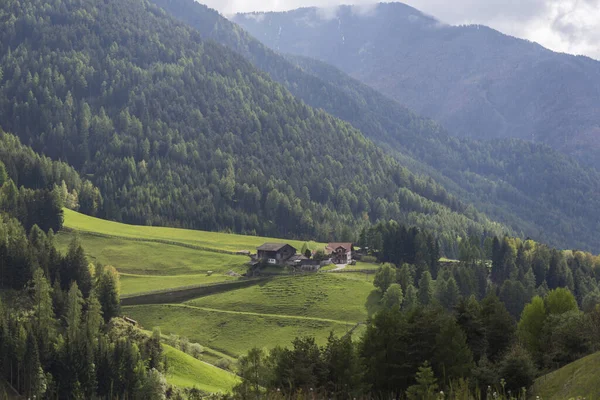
{"points": [[195, 207]]}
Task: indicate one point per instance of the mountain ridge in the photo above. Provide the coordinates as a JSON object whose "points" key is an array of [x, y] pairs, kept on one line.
{"points": [[475, 80], [469, 169]]}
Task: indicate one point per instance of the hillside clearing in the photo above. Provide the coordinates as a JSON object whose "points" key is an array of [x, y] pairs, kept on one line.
{"points": [[232, 333], [187, 372], [578, 379], [208, 240], [146, 258], [326, 296], [135, 284]]}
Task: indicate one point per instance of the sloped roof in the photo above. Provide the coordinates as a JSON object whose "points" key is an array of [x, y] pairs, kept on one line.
{"points": [[272, 246], [345, 246]]}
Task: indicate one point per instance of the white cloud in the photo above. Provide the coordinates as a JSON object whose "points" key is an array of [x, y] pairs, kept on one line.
{"points": [[569, 26]]}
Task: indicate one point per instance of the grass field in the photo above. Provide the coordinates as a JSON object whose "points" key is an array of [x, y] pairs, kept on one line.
{"points": [[233, 333], [143, 258], [580, 378], [187, 372], [134, 284], [317, 295], [211, 240]]}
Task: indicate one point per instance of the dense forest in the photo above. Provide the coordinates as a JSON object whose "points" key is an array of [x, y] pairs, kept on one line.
{"points": [[536, 191], [476, 81], [178, 131], [506, 312], [481, 328]]}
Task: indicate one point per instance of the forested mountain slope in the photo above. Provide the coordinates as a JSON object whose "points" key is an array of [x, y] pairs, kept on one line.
{"points": [[474, 80], [178, 131], [531, 188]]}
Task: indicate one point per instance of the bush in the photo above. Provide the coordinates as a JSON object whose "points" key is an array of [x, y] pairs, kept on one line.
{"points": [[184, 345], [369, 259], [173, 340], [518, 369], [224, 363], [196, 350]]}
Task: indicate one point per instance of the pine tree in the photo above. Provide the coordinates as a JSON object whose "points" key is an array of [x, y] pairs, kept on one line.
{"points": [[34, 378], [76, 268], [385, 276], [448, 293], [108, 288], [44, 322], [393, 297], [405, 276], [411, 299], [499, 326], [453, 358], [425, 294], [469, 319], [426, 386]]}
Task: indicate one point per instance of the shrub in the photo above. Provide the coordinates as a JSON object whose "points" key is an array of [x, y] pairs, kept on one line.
{"points": [[369, 259], [196, 350], [224, 363]]}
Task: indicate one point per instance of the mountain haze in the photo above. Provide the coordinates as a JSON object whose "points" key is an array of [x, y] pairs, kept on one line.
{"points": [[529, 187], [474, 80]]}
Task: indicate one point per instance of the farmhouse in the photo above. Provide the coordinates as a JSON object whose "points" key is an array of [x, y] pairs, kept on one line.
{"points": [[341, 253], [275, 253]]}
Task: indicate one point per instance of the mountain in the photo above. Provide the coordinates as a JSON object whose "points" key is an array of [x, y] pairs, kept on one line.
{"points": [[529, 187], [474, 80], [175, 130]]}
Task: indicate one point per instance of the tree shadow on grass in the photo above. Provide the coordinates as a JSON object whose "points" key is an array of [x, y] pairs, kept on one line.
{"points": [[373, 303]]}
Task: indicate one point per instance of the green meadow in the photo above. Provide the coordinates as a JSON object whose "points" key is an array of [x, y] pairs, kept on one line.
{"points": [[136, 284], [209, 240], [187, 372], [579, 379], [147, 258], [316, 295], [266, 315], [233, 333]]}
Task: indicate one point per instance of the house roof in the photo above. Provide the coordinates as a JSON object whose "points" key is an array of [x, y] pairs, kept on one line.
{"points": [[345, 246], [272, 246]]}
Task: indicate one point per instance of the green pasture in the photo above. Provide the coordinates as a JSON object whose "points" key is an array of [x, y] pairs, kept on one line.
{"points": [[209, 240], [233, 333], [187, 372], [329, 296], [132, 284], [580, 379], [146, 258]]}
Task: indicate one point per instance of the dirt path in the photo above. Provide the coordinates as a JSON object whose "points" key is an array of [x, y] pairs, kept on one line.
{"points": [[340, 267]]}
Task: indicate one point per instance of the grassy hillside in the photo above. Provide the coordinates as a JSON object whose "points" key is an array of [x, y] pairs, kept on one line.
{"points": [[187, 372], [572, 381], [153, 258], [320, 296], [208, 240], [233, 333], [265, 315]]}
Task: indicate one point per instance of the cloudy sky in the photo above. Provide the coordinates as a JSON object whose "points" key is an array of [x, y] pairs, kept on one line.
{"points": [[571, 26]]}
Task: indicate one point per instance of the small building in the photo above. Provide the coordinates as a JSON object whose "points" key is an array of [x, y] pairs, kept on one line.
{"points": [[275, 253], [341, 253]]}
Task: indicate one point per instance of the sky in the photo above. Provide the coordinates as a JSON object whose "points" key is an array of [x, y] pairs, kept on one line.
{"points": [[570, 26]]}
